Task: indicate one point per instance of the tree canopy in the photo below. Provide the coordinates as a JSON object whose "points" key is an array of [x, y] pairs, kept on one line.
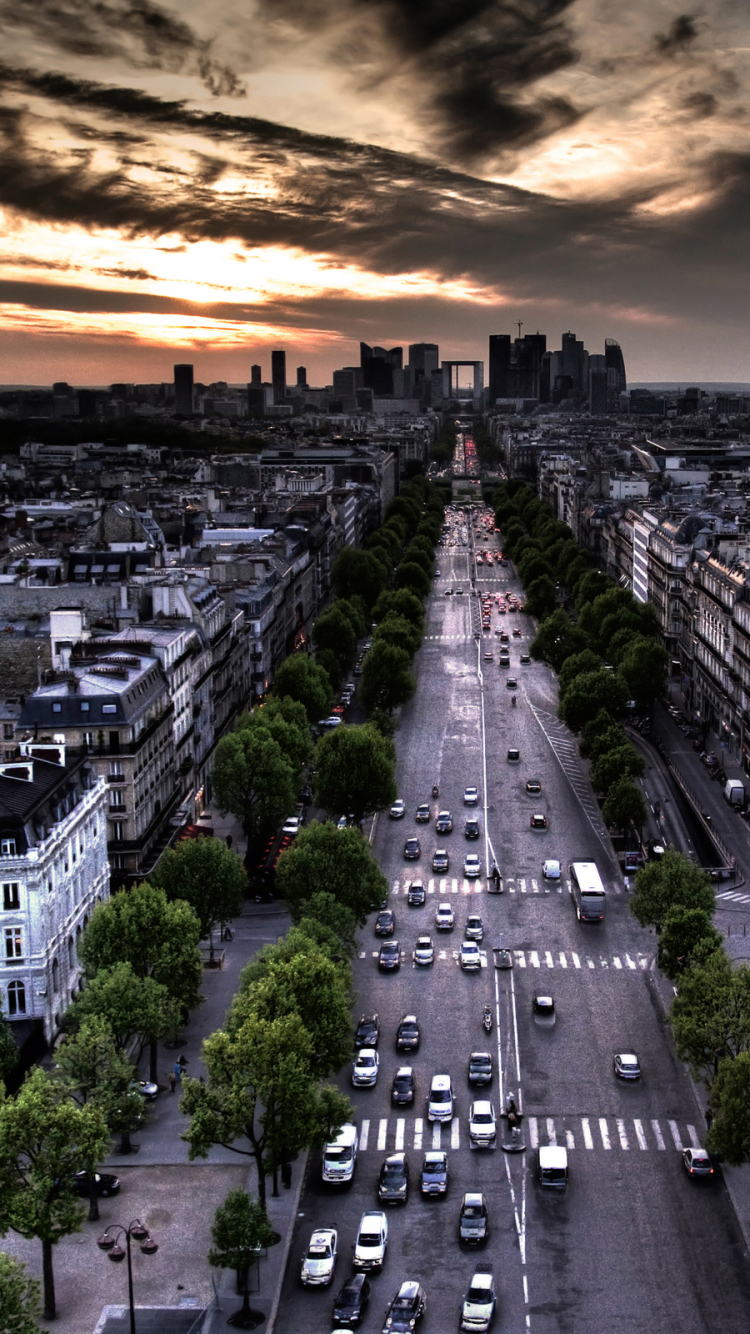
{"points": [[205, 873], [710, 1015], [354, 771], [360, 572], [624, 805], [687, 938], [19, 1298], [590, 692], [303, 679], [557, 639], [387, 678], [338, 861], [254, 780], [673, 880]]}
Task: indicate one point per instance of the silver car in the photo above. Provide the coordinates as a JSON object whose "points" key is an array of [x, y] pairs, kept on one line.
{"points": [[319, 1260]]}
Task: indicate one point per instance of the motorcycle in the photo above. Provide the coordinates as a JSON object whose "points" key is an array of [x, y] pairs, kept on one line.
{"points": [[487, 1019], [513, 700], [435, 790]]}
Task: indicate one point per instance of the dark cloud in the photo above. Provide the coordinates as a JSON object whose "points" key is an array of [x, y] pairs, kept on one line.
{"points": [[681, 35], [137, 31], [701, 104]]}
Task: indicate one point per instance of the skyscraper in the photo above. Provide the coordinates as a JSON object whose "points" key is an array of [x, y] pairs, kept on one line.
{"points": [[616, 362], [378, 365], [499, 366], [278, 376], [255, 375], [423, 360], [302, 377], [183, 389]]}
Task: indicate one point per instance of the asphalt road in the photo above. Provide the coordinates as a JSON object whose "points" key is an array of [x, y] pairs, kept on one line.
{"points": [[633, 1244]]}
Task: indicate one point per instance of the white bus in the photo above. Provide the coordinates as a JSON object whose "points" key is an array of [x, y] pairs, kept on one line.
{"points": [[588, 892]]}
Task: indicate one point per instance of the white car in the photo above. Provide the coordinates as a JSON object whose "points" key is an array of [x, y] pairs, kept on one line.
{"points": [[480, 1301], [365, 1068], [470, 956], [319, 1260], [482, 1124], [440, 1101], [471, 796], [398, 810], [551, 870], [372, 1239], [472, 866], [444, 918], [292, 825], [474, 927], [424, 951]]}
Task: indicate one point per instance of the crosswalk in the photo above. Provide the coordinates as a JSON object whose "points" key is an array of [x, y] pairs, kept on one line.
{"points": [[567, 961], [446, 885], [733, 896], [604, 1134], [566, 752]]}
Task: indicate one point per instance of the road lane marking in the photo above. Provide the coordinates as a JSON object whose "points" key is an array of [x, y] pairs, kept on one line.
{"points": [[418, 1131], [454, 887], [576, 961], [522, 884], [364, 1135], [695, 1142], [630, 962], [570, 1139], [675, 1135], [658, 1135], [430, 886], [443, 954], [535, 887], [622, 1133], [455, 1133], [616, 962], [436, 1135], [533, 1132], [363, 954], [587, 1139], [382, 1132], [640, 1135], [551, 1132], [563, 961], [520, 958], [400, 1127], [604, 1132], [590, 963], [548, 959], [533, 958]]}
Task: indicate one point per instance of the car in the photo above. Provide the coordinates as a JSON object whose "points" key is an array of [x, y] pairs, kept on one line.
{"points": [[478, 1309], [551, 870], [403, 1087], [352, 1301], [148, 1090], [407, 1034], [511, 683], [473, 1220], [319, 1260], [385, 922], [504, 637], [440, 860], [627, 1065], [368, 1031], [525, 659], [470, 956], [416, 897], [472, 866], [474, 929], [424, 813], [471, 796], [389, 956], [443, 823], [440, 1099], [504, 659], [407, 1307], [482, 1124], [458, 591], [697, 1163], [292, 826], [488, 657], [514, 755], [350, 688], [338, 711], [543, 1008], [502, 958], [372, 1240], [444, 918], [393, 1182], [365, 1068], [437, 572], [533, 786], [398, 809], [480, 1068], [449, 592], [538, 821], [424, 951], [412, 849], [105, 1183], [471, 827], [435, 1173]]}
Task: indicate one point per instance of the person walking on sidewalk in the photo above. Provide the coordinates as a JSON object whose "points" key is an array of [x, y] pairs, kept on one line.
{"points": [[177, 1073], [172, 1078]]}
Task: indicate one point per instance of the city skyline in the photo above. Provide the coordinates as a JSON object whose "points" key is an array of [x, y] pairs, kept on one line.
{"points": [[175, 187]]}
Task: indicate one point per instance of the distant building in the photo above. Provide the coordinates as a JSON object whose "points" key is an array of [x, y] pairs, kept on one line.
{"points": [[183, 390], [278, 376]]}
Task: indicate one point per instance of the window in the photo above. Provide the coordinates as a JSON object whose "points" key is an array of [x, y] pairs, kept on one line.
{"points": [[55, 976], [16, 998], [57, 708], [7, 731], [13, 945], [7, 847], [71, 952], [118, 831], [117, 800], [88, 740], [11, 899], [85, 706], [109, 708]]}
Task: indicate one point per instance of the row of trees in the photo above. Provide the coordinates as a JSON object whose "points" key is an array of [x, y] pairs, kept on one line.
{"points": [[604, 646]]}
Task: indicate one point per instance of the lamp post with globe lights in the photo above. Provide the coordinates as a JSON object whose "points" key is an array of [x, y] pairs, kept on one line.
{"points": [[110, 1241]]}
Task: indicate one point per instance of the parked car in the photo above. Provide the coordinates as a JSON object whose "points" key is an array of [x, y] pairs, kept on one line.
{"points": [[105, 1184]]}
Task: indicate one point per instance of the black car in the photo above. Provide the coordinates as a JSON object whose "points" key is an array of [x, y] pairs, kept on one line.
{"points": [[393, 1182], [412, 849], [106, 1184], [416, 897], [351, 1302], [404, 1087], [435, 1173], [424, 813], [385, 922], [407, 1034], [471, 828], [473, 1221], [390, 955], [440, 860], [480, 1068], [406, 1309], [443, 823], [368, 1031], [534, 786]]}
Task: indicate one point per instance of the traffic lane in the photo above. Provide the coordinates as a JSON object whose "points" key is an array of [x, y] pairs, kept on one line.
{"points": [[633, 1244]]}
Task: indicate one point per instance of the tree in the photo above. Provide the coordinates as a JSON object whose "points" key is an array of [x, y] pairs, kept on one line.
{"points": [[355, 610], [662, 885], [301, 678], [19, 1298], [44, 1140], [557, 639], [402, 603], [729, 1135], [205, 873], [310, 986], [388, 540], [354, 771], [601, 735], [624, 762], [330, 664], [710, 1015], [132, 1006], [541, 595], [417, 555], [624, 805], [333, 631], [576, 665], [384, 722], [399, 632], [322, 910], [411, 575], [387, 679], [591, 586], [533, 566], [285, 720], [687, 937], [239, 1230], [254, 780], [357, 571], [8, 1051], [590, 692], [337, 861], [644, 667], [260, 1090]]}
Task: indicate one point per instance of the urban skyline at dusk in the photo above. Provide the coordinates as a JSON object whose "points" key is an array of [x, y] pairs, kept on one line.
{"points": [[206, 186]]}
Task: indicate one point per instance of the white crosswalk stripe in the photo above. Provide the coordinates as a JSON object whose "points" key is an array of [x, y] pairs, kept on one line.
{"points": [[675, 1134], [603, 1134], [658, 1135], [418, 1131], [364, 1135], [400, 1127], [382, 1133], [640, 1135]]}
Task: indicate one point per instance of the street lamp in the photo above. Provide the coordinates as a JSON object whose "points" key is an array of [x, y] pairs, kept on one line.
{"points": [[116, 1253]]}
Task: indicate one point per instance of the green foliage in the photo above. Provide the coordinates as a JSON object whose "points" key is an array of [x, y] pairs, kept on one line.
{"points": [[384, 722], [600, 735], [729, 1135], [624, 762], [285, 720], [205, 873], [337, 861], [688, 937], [354, 771], [360, 572], [313, 989], [411, 575], [8, 1051], [301, 678], [330, 664], [556, 640], [355, 611], [323, 913], [333, 631], [416, 555], [387, 680], [541, 596], [400, 602], [665, 884], [644, 667], [132, 1006], [589, 693], [534, 566], [710, 1015], [254, 780], [576, 665], [19, 1298], [624, 805], [239, 1229], [405, 507], [591, 586]]}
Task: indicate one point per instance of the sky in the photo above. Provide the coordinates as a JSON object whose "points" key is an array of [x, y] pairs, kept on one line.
{"points": [[205, 183]]}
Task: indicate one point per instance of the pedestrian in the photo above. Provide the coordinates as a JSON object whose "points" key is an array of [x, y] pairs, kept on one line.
{"points": [[177, 1071], [172, 1081], [286, 1175], [709, 1118], [229, 841], [182, 1062]]}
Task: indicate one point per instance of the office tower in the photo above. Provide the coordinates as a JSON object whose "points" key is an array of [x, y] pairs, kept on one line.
{"points": [[574, 362], [615, 362], [597, 383], [499, 366], [255, 375], [302, 377], [423, 360], [256, 400], [378, 365], [527, 358], [183, 390], [278, 376]]}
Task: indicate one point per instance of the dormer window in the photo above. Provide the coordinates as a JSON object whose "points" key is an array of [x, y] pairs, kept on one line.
{"points": [[7, 847]]}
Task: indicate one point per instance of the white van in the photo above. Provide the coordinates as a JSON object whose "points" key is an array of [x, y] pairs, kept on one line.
{"points": [[588, 891], [553, 1168], [340, 1156], [734, 792]]}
